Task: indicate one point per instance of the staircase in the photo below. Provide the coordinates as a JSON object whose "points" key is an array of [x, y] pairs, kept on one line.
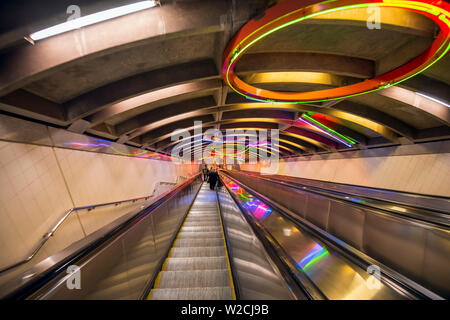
{"points": [[197, 267]]}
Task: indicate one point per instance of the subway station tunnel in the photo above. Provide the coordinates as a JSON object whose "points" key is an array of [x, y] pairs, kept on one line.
{"points": [[326, 123]]}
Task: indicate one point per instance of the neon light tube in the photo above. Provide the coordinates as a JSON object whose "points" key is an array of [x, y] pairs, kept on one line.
{"points": [[92, 19], [326, 132], [289, 12], [321, 125], [434, 99]]}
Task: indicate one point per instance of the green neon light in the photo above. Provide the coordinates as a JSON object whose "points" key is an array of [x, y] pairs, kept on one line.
{"points": [[313, 261], [395, 3], [321, 125]]}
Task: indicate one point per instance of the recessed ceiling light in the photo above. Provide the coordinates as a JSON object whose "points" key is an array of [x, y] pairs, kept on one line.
{"points": [[92, 18]]}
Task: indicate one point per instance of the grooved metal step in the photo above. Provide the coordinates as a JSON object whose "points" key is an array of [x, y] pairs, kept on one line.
{"points": [[179, 252], [208, 242], [203, 215], [201, 229], [203, 235], [212, 293], [201, 263], [197, 267], [202, 224], [194, 279]]}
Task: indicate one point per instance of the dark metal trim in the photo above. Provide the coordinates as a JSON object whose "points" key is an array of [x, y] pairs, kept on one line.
{"points": [[230, 260]]}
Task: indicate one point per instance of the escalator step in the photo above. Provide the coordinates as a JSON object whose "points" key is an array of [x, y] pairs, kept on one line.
{"points": [[201, 229], [215, 242], [211, 293], [211, 223], [179, 252], [194, 279], [189, 264], [199, 235], [203, 215]]}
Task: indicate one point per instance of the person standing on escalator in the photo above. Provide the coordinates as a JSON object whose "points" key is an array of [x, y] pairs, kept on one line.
{"points": [[205, 172], [213, 177]]}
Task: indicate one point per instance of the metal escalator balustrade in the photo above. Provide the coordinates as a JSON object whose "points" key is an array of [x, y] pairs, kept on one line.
{"points": [[197, 266], [415, 248], [396, 201], [337, 271], [115, 262], [348, 194]]}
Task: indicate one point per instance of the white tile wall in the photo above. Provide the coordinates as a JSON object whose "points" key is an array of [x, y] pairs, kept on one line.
{"points": [[34, 193], [426, 174]]}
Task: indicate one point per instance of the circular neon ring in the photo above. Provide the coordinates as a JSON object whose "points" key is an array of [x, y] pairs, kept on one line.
{"points": [[292, 11]]}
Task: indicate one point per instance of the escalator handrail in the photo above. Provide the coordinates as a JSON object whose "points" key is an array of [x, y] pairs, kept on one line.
{"points": [[227, 247], [409, 194], [66, 214], [394, 279], [434, 217], [276, 252], [12, 289], [338, 192]]}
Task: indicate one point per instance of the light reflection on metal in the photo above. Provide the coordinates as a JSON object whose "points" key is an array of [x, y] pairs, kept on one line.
{"points": [[255, 206], [398, 209], [314, 255]]}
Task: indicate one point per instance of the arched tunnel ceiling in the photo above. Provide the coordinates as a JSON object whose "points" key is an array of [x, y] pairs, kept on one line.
{"points": [[136, 78]]}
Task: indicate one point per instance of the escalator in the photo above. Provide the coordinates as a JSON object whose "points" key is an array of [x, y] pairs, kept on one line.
{"points": [[176, 248], [373, 196], [194, 243], [408, 251], [197, 267], [433, 209]]}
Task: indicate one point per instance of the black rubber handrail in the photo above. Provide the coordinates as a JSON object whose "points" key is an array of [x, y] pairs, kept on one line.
{"points": [[407, 193], [404, 193], [431, 216], [227, 242]]}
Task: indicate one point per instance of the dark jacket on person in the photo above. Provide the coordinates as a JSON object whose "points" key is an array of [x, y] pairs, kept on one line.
{"points": [[213, 177]]}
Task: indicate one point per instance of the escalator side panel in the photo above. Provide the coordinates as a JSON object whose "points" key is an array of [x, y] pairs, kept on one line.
{"points": [[122, 267], [317, 211], [437, 265], [256, 277], [333, 274], [420, 251], [347, 223]]}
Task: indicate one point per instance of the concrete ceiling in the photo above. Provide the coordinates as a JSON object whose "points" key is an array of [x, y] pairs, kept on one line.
{"points": [[137, 78]]}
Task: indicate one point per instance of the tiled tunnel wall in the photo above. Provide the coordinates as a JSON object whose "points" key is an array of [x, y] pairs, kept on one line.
{"points": [[38, 183]]}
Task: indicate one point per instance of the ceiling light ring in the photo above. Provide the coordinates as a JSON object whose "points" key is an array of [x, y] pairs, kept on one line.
{"points": [[288, 13]]}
